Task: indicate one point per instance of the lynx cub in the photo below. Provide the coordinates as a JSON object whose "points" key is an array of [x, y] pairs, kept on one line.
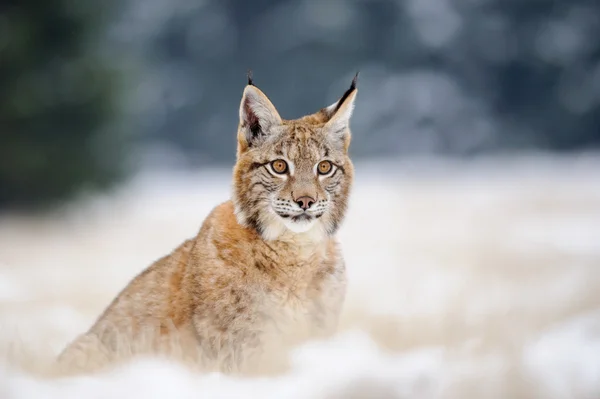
{"points": [[265, 267]]}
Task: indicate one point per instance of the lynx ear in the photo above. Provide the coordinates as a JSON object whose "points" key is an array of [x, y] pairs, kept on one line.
{"points": [[340, 112], [257, 116]]}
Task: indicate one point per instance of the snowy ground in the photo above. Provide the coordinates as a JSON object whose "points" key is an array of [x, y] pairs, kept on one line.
{"points": [[467, 280]]}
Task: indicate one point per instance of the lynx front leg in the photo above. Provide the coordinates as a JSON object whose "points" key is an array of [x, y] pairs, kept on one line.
{"points": [[329, 304]]}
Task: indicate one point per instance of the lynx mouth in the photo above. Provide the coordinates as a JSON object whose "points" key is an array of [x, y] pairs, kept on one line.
{"points": [[302, 217]]}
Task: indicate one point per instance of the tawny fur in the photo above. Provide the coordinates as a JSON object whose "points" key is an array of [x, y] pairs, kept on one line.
{"points": [[251, 280]]}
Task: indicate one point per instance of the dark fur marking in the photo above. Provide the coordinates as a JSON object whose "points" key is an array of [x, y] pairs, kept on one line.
{"points": [[333, 186], [334, 226], [260, 266], [348, 92], [236, 296], [252, 122], [255, 130], [253, 223], [249, 75], [335, 172], [256, 165]]}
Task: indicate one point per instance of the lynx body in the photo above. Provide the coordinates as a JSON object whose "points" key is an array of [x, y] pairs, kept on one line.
{"points": [[265, 269]]}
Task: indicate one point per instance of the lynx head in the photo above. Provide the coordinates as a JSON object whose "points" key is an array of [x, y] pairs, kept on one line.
{"points": [[292, 176]]}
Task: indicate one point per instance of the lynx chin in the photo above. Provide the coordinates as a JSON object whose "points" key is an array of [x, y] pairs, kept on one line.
{"points": [[265, 269]]}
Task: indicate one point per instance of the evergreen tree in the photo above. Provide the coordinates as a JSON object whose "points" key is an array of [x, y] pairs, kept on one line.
{"points": [[58, 120]]}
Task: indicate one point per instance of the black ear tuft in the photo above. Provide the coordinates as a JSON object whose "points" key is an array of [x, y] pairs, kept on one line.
{"points": [[250, 82], [347, 93], [354, 81]]}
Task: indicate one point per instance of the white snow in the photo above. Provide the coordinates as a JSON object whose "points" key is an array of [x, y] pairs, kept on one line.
{"points": [[466, 280]]}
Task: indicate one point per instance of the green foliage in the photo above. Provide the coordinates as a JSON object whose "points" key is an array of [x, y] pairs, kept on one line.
{"points": [[58, 119]]}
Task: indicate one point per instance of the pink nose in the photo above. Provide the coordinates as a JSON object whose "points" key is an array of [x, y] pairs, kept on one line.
{"points": [[305, 202]]}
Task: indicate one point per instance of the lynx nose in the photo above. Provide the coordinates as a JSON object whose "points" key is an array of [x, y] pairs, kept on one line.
{"points": [[305, 202]]}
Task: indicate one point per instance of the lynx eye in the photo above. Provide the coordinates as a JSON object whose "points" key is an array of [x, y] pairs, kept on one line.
{"points": [[279, 166], [324, 167]]}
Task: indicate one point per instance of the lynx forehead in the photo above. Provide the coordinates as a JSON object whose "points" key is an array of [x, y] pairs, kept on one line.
{"points": [[292, 175]]}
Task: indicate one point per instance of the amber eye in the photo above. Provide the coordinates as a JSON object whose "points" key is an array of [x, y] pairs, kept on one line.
{"points": [[279, 166], [324, 167]]}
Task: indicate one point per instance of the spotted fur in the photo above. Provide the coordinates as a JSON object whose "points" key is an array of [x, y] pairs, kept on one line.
{"points": [[263, 271]]}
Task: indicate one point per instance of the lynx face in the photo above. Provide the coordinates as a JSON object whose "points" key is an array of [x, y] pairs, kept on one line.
{"points": [[292, 176]]}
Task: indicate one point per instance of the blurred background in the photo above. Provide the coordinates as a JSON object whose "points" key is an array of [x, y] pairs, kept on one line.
{"points": [[93, 90], [475, 139]]}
